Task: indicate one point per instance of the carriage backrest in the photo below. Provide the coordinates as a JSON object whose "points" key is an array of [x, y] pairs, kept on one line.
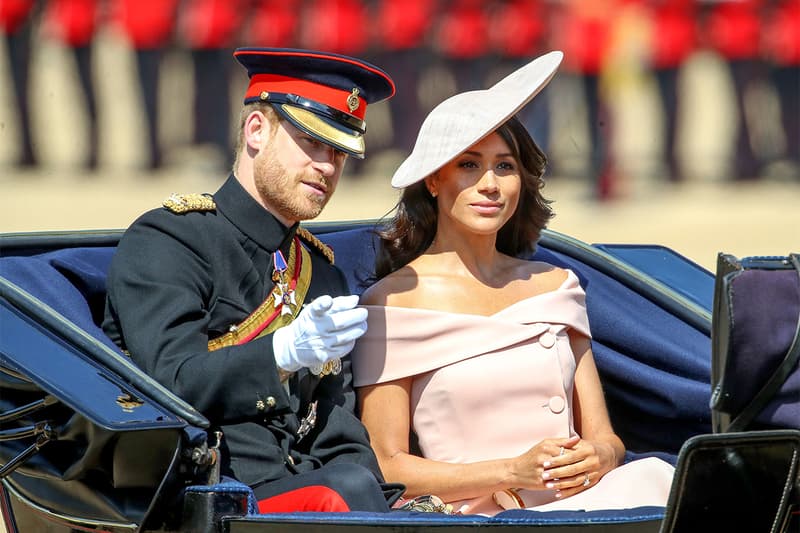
{"points": [[654, 366]]}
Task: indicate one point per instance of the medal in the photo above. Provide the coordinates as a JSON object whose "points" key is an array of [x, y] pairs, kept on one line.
{"points": [[282, 294], [334, 366], [307, 424]]}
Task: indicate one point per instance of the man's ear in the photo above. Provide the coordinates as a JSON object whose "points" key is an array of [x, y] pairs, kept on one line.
{"points": [[256, 130]]}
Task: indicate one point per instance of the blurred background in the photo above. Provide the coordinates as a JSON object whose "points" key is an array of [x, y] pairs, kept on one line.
{"points": [[674, 122]]}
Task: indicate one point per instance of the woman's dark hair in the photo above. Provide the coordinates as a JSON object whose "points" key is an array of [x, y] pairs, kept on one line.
{"points": [[410, 232]]}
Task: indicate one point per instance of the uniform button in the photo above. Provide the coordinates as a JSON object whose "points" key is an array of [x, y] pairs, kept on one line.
{"points": [[268, 403], [556, 404], [290, 460], [547, 339]]}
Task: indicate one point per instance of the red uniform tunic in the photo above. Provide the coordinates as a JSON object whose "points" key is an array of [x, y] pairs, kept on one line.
{"points": [[585, 35], [72, 21], [464, 30], [273, 23], [210, 24], [147, 23], [674, 32], [518, 28], [13, 14], [335, 26], [782, 33], [402, 24], [734, 29]]}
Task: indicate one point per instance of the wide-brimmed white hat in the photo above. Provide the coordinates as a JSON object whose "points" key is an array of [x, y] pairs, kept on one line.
{"points": [[464, 119]]}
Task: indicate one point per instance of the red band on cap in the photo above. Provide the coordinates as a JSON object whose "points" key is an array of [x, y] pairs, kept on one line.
{"points": [[335, 98]]}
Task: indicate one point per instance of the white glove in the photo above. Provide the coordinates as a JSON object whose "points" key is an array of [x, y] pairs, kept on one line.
{"points": [[325, 329]]}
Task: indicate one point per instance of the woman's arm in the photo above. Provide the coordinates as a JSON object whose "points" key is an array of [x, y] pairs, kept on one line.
{"points": [[385, 411], [599, 450], [591, 415]]}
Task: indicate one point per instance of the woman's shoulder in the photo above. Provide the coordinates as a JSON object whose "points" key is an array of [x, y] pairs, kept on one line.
{"points": [[392, 289], [546, 277]]}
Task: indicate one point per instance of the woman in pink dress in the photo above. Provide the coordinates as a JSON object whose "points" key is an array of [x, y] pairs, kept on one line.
{"points": [[480, 359]]}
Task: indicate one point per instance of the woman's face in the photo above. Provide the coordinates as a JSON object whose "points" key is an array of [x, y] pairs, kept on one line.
{"points": [[480, 188]]}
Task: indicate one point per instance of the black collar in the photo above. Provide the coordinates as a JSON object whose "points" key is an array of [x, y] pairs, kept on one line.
{"points": [[250, 217]]}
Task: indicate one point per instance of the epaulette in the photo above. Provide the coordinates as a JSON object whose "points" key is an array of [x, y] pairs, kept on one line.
{"points": [[310, 239], [183, 203]]}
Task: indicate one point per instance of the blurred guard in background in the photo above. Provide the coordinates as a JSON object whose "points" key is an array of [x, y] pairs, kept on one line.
{"points": [[519, 31], [149, 26], [209, 29], [673, 41], [733, 30], [272, 23], [401, 41], [74, 23], [782, 49], [462, 40], [16, 22], [585, 33]]}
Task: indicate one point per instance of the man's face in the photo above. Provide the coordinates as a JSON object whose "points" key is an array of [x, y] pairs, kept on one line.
{"points": [[295, 174]]}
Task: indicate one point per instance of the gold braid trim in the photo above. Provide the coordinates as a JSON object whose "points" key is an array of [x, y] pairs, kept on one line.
{"points": [[183, 203], [309, 238], [267, 308]]}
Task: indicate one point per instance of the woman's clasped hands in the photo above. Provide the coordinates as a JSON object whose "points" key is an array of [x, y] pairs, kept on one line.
{"points": [[567, 466]]}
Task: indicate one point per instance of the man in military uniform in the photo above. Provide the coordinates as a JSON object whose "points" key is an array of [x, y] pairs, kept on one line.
{"points": [[228, 303]]}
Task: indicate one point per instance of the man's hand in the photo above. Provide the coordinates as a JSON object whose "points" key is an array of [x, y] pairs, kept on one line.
{"points": [[325, 329]]}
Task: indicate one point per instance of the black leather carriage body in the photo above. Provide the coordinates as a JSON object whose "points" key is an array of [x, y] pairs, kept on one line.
{"points": [[756, 343]]}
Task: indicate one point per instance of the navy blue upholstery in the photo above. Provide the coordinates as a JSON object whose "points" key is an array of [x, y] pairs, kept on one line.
{"points": [[515, 517], [655, 368], [72, 281]]}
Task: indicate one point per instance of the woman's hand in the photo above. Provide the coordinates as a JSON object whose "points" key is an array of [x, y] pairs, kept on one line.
{"points": [[577, 466], [528, 471]]}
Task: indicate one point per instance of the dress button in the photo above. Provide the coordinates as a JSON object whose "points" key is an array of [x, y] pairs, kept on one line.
{"points": [[271, 401], [547, 339], [556, 404]]}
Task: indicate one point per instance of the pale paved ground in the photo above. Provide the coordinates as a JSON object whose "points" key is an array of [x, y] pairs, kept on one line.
{"points": [[697, 219]]}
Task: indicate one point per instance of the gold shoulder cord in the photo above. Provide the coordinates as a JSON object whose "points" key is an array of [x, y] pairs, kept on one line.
{"points": [[312, 240]]}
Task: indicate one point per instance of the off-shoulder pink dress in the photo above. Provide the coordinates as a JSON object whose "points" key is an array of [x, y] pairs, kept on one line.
{"points": [[492, 387]]}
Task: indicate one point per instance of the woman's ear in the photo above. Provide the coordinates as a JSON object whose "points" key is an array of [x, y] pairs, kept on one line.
{"points": [[256, 130], [430, 183]]}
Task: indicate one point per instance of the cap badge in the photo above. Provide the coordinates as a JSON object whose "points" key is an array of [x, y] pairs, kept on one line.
{"points": [[352, 100]]}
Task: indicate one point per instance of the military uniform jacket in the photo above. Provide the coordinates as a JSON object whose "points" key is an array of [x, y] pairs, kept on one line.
{"points": [[179, 280]]}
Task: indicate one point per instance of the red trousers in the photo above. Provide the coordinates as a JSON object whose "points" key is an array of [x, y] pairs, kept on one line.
{"points": [[313, 498]]}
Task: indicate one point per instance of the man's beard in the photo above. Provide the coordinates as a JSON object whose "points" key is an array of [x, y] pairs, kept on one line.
{"points": [[278, 189]]}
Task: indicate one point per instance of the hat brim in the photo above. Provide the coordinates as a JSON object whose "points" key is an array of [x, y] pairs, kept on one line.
{"points": [[466, 118], [324, 129]]}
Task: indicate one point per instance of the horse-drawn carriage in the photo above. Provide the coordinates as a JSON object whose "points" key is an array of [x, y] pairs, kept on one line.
{"points": [[88, 442]]}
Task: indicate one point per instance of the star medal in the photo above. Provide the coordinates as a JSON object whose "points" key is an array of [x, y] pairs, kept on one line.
{"points": [[334, 366], [307, 424], [282, 294]]}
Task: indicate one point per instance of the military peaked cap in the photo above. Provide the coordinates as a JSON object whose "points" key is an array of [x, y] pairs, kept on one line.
{"points": [[324, 94]]}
